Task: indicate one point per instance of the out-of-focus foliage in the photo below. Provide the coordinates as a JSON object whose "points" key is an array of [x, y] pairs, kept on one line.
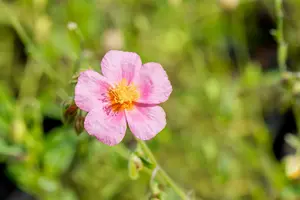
{"points": [[216, 143]]}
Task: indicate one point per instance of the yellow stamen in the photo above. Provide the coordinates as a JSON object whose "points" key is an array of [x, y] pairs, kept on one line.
{"points": [[123, 96]]}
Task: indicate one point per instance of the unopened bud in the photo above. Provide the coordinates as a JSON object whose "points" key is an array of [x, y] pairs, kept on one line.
{"points": [[79, 124], [138, 163], [69, 111]]}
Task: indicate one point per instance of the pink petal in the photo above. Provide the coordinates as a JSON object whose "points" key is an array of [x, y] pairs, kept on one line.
{"points": [[90, 90], [146, 121], [154, 84], [107, 127], [117, 65]]}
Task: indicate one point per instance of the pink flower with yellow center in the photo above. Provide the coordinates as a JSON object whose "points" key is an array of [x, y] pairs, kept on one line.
{"points": [[128, 92]]}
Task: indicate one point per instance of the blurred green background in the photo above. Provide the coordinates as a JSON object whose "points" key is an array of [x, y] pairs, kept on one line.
{"points": [[221, 60]]}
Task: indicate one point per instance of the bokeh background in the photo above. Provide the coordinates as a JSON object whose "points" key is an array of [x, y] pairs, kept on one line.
{"points": [[228, 116]]}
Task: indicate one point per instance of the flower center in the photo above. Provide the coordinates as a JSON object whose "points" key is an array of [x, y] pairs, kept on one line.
{"points": [[123, 96]]}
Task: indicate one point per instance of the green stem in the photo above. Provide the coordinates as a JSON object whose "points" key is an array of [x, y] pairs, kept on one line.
{"points": [[81, 48], [282, 46], [172, 184], [161, 173], [282, 50], [79, 59], [148, 152]]}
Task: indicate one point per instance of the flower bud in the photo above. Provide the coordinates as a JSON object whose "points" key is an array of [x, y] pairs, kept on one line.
{"points": [[134, 166], [69, 111], [79, 124]]}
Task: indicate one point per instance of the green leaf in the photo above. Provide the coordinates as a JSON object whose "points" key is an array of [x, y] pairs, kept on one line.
{"points": [[9, 150], [147, 164], [59, 151]]}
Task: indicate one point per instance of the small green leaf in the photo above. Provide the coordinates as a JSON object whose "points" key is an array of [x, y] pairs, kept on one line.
{"points": [[147, 164]]}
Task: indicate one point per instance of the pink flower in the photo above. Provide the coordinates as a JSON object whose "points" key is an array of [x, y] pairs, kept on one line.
{"points": [[128, 91]]}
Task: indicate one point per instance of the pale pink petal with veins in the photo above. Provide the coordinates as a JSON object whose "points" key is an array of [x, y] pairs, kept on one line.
{"points": [[107, 127], [153, 83], [118, 65], [90, 90], [145, 122]]}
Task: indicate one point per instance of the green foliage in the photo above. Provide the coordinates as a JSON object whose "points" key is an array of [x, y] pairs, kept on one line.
{"points": [[215, 144]]}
